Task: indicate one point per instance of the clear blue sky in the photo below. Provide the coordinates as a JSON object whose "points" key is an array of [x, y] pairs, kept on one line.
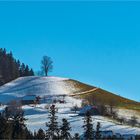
{"points": [[94, 42]]}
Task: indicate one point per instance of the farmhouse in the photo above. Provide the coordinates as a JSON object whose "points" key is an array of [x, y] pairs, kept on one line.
{"points": [[29, 99], [88, 108]]}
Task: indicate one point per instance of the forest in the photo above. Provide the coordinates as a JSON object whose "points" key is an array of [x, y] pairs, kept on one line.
{"points": [[10, 68]]}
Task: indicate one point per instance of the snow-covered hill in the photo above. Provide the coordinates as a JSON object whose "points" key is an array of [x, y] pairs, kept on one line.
{"points": [[34, 85], [37, 116]]}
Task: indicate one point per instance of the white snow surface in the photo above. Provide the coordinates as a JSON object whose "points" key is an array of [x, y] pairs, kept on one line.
{"points": [[38, 116], [34, 85]]}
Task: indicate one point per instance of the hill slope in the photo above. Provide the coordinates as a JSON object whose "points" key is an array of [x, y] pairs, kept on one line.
{"points": [[109, 98], [34, 85], [41, 86]]}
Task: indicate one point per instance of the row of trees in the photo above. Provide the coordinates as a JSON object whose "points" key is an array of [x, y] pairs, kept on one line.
{"points": [[10, 68]]}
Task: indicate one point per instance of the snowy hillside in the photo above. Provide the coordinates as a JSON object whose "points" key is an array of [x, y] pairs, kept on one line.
{"points": [[37, 115], [35, 86]]}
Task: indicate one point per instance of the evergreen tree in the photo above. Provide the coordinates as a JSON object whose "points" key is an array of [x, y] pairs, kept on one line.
{"points": [[40, 135], [52, 133], [76, 136], [26, 71], [10, 68], [35, 135], [22, 68], [13, 127], [5, 129], [18, 127], [10, 65], [29, 134], [16, 69], [88, 127], [98, 127], [31, 72], [65, 130]]}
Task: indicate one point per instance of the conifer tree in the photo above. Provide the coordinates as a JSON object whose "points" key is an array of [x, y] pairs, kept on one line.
{"points": [[76, 136], [5, 129], [27, 71], [52, 133], [31, 72], [98, 127], [10, 68], [18, 127], [13, 127], [22, 69], [88, 127], [65, 130], [40, 135]]}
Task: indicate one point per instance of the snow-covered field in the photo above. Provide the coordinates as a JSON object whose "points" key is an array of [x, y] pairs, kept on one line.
{"points": [[34, 85], [38, 116]]}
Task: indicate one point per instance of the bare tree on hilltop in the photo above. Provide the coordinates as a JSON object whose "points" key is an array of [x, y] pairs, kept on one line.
{"points": [[46, 65]]}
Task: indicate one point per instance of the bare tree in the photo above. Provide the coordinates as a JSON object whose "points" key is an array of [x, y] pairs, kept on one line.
{"points": [[46, 65]]}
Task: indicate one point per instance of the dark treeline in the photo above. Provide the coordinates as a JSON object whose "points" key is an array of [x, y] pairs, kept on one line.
{"points": [[10, 68]]}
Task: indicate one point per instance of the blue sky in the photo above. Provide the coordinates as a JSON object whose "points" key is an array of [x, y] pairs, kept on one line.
{"points": [[94, 42]]}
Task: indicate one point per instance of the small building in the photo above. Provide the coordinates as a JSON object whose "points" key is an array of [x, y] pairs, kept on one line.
{"points": [[88, 108], [28, 99]]}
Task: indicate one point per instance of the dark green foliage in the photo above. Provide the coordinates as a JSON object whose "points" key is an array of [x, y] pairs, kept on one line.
{"points": [[40, 135], [65, 130], [10, 68], [29, 134], [98, 127], [76, 136], [53, 131], [18, 127], [88, 127], [31, 72], [5, 129], [13, 127]]}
